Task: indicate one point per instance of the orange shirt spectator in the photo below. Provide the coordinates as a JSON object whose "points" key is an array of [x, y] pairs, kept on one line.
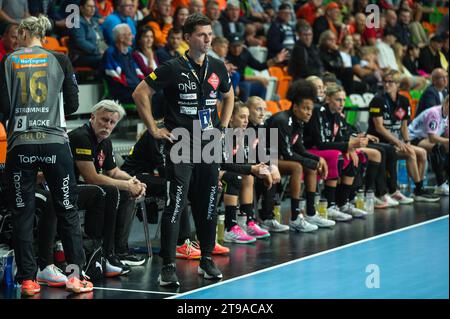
{"points": [[104, 7], [178, 3], [309, 11]]}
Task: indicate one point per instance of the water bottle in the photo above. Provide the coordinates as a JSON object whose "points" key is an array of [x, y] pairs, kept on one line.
{"points": [[370, 202], [59, 253], [323, 205], [402, 172], [316, 201], [277, 209], [359, 200], [220, 226]]}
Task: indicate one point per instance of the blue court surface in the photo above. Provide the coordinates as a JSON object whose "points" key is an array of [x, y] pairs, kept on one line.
{"points": [[411, 262]]}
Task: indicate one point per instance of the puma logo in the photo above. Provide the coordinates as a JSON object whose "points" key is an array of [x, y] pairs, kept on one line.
{"points": [[185, 74]]}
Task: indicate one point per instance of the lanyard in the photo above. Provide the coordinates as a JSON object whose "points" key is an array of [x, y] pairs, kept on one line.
{"points": [[391, 111], [191, 68]]}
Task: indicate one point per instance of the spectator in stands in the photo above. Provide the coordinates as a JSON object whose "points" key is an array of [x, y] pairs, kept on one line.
{"points": [[386, 55], [122, 72], [12, 11], [9, 41], [389, 115], [196, 6], [179, 18], [144, 53], [332, 60], [104, 7], [435, 93], [409, 81], [219, 50], [230, 21], [47, 8], [391, 19], [86, 42], [160, 20], [429, 58], [123, 11], [329, 21], [281, 35], [411, 59], [365, 66], [241, 58], [254, 12], [93, 153], [213, 13], [305, 59], [402, 29], [310, 11], [430, 131], [170, 50], [250, 36]]}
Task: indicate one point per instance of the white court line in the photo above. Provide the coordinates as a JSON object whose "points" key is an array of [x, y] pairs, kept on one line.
{"points": [[141, 291], [308, 257]]}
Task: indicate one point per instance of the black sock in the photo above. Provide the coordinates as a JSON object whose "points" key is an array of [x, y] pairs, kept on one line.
{"points": [[371, 175], [230, 217], [342, 193], [419, 186], [247, 209], [295, 208], [310, 209], [329, 193]]}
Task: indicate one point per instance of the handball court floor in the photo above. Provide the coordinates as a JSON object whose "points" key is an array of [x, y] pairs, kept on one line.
{"points": [[406, 248]]}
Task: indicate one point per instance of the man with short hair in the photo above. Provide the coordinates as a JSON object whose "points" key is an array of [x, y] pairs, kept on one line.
{"points": [[191, 85], [122, 72], [95, 164], [123, 12], [435, 93], [429, 58], [230, 20], [170, 50], [281, 35]]}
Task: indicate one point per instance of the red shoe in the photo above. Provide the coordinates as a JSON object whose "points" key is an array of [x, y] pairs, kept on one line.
{"points": [[220, 250], [188, 251], [76, 285], [30, 288]]}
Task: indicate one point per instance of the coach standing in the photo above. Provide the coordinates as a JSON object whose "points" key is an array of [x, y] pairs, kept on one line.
{"points": [[191, 86]]}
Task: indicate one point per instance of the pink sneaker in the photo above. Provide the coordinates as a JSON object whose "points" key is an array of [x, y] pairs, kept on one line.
{"points": [[237, 235], [254, 230]]}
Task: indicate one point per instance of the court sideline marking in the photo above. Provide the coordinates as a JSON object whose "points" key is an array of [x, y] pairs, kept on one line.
{"points": [[308, 257], [133, 290]]}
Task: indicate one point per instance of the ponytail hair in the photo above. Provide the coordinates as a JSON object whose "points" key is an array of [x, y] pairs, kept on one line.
{"points": [[37, 26]]}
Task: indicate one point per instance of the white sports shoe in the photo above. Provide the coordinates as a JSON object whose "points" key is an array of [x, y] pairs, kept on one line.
{"points": [[401, 199], [352, 210], [273, 226], [320, 221], [335, 214], [390, 201], [301, 225], [442, 190]]}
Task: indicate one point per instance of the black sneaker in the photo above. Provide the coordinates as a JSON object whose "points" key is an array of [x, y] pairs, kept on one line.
{"points": [[131, 259], [422, 195], [208, 270], [115, 261], [168, 276]]}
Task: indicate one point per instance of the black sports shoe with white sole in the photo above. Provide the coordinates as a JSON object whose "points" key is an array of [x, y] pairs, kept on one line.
{"points": [[168, 276], [208, 269]]}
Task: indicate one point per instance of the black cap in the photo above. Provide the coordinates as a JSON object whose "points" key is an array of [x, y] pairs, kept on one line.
{"points": [[438, 38], [235, 38]]}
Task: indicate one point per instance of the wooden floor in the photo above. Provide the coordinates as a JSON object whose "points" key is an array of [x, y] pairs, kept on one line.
{"points": [[141, 283]]}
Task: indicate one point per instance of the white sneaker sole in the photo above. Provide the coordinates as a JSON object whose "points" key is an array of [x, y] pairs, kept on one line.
{"points": [[237, 241], [425, 199], [167, 283], [275, 230], [206, 276], [302, 230]]}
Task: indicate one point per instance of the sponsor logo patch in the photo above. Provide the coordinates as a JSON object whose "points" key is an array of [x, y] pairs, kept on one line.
{"points": [[83, 151], [188, 110], [191, 96], [214, 81]]}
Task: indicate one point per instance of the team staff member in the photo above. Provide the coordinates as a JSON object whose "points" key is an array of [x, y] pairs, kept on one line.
{"points": [[191, 85], [37, 88], [430, 131], [95, 164], [389, 114]]}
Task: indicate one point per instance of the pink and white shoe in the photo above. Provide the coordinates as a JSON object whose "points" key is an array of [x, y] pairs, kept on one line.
{"points": [[237, 235], [254, 230]]}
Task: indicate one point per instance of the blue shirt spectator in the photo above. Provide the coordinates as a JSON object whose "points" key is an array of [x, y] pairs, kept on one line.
{"points": [[122, 14]]}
